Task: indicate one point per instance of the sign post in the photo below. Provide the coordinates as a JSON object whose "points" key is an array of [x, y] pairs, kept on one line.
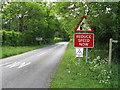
{"points": [[86, 55], [110, 49], [79, 53]]}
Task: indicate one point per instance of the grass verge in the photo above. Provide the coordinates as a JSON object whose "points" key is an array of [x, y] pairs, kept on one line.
{"points": [[95, 74], [10, 50]]}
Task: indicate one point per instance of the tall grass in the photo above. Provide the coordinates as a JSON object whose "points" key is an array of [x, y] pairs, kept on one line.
{"points": [[95, 74]]}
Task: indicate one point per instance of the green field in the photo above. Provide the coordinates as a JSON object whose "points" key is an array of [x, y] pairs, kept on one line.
{"points": [[95, 74]]}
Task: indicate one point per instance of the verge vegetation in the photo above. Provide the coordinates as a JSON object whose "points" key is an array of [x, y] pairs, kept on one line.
{"points": [[15, 50], [95, 74], [10, 50]]}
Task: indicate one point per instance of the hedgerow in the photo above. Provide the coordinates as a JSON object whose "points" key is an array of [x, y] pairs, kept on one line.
{"points": [[11, 38]]}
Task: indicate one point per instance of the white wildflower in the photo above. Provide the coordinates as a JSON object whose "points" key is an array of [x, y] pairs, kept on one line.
{"points": [[108, 76], [104, 70], [95, 59], [96, 65], [98, 57], [110, 71], [107, 80], [68, 71], [103, 81], [94, 62]]}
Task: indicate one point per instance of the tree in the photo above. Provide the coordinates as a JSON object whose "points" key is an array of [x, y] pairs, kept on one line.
{"points": [[32, 19], [103, 16]]}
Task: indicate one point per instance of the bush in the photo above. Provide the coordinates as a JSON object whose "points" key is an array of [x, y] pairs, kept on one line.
{"points": [[11, 38], [26, 38]]}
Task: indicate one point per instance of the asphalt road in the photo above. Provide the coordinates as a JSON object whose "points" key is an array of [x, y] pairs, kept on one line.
{"points": [[34, 69]]}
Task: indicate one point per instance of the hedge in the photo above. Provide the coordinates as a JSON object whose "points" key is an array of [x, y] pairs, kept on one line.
{"points": [[11, 38]]}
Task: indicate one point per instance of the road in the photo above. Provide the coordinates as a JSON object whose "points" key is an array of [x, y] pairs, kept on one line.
{"points": [[34, 69]]}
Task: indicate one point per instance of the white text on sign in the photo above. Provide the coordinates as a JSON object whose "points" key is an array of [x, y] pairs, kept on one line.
{"points": [[83, 40]]}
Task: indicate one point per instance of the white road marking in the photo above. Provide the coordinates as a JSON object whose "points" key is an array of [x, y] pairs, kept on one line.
{"points": [[24, 64], [15, 64], [18, 64], [10, 64], [4, 64]]}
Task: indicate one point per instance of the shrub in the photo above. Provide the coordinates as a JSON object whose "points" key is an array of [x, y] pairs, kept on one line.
{"points": [[11, 38]]}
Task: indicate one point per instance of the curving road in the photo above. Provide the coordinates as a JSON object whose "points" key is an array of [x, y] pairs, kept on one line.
{"points": [[34, 69]]}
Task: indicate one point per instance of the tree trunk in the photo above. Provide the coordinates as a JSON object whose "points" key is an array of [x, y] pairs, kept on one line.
{"points": [[21, 24]]}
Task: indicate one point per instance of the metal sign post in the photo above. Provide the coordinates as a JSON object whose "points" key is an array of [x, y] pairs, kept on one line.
{"points": [[86, 55], [79, 53], [78, 60]]}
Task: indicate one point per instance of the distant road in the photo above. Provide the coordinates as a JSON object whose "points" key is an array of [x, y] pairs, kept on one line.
{"points": [[34, 69]]}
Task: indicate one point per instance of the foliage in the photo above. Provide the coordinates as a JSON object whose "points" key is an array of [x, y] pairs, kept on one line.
{"points": [[32, 20], [11, 38], [95, 74], [20, 16], [106, 25], [56, 39], [103, 17]]}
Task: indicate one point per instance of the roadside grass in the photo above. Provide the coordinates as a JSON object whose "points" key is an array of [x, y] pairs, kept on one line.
{"points": [[7, 51], [95, 74], [10, 50]]}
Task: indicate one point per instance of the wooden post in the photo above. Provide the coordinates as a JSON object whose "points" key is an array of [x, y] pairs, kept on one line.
{"points": [[110, 51]]}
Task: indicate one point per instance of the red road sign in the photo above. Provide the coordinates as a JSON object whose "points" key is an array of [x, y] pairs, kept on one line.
{"points": [[84, 40], [83, 27]]}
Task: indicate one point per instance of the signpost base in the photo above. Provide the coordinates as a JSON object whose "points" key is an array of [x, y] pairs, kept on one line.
{"points": [[78, 60], [86, 55]]}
